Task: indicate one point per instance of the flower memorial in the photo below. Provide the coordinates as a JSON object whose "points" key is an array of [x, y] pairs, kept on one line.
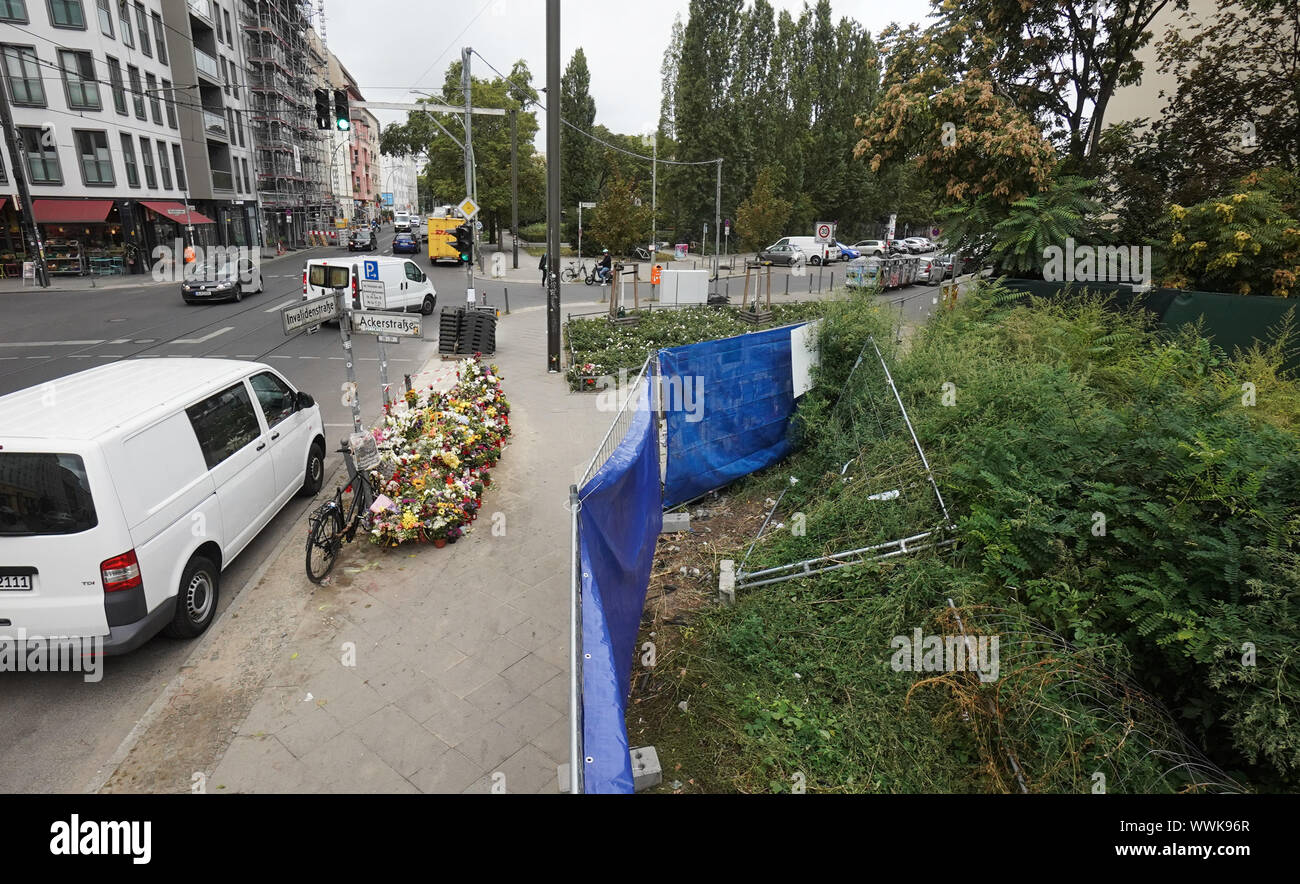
{"points": [[438, 454]]}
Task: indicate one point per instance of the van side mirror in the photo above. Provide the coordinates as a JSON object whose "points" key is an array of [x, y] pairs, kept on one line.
{"points": [[302, 401]]}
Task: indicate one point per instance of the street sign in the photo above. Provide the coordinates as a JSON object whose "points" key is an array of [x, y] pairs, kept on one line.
{"points": [[468, 208], [373, 295], [478, 225], [934, 231], [388, 324], [371, 270], [825, 232], [384, 339], [586, 205], [308, 313]]}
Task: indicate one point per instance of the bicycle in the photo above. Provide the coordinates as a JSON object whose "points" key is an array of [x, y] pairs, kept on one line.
{"points": [[641, 254], [335, 523], [575, 272]]}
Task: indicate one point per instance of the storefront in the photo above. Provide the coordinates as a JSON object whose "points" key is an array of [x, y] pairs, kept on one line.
{"points": [[13, 248], [166, 223], [81, 237]]}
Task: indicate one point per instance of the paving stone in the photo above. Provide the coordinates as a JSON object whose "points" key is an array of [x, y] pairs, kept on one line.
{"points": [[399, 740]]}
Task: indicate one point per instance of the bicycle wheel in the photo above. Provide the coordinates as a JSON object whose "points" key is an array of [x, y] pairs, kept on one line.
{"points": [[323, 543]]}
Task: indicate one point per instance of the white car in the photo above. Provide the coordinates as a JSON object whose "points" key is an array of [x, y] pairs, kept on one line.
{"points": [[810, 247], [406, 288], [919, 244], [125, 491]]}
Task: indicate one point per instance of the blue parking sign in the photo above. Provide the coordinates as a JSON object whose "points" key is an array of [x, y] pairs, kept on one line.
{"points": [[372, 270]]}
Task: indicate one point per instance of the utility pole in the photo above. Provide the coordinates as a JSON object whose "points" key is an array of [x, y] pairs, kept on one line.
{"points": [[469, 168], [717, 223], [553, 193], [654, 200], [35, 247], [514, 185]]}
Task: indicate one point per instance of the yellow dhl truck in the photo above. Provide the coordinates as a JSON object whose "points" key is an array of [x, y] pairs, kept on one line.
{"points": [[442, 239]]}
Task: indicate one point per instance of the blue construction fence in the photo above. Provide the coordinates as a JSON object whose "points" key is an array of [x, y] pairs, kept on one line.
{"points": [[727, 407]]}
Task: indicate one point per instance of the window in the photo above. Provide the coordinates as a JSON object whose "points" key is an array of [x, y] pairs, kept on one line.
{"points": [[158, 37], [137, 90], [239, 127], [146, 151], [239, 180], [67, 14], [224, 423], [155, 103], [225, 75], [128, 160], [273, 394], [25, 86], [13, 10], [79, 80], [164, 166], [96, 161], [142, 19], [230, 120], [413, 273], [44, 494], [180, 166], [339, 277], [124, 17], [115, 83], [230, 34], [169, 95], [105, 18], [42, 156], [4, 176], [247, 176]]}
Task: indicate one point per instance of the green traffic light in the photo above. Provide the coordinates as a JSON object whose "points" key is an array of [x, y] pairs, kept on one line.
{"points": [[344, 125]]}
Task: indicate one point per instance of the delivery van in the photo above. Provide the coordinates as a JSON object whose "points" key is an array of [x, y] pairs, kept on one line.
{"points": [[811, 247], [406, 288], [127, 489], [402, 222], [442, 239]]}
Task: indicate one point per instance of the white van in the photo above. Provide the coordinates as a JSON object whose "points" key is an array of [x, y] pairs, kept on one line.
{"points": [[407, 288], [810, 247], [125, 491], [401, 222]]}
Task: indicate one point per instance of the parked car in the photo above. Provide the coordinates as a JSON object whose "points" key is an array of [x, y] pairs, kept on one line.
{"points": [[229, 281], [418, 229], [919, 245], [363, 239], [405, 243], [848, 253], [780, 254], [870, 248], [130, 487], [898, 248], [811, 248], [406, 287]]}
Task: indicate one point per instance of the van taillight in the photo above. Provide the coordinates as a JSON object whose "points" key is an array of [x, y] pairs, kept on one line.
{"points": [[304, 280], [356, 305], [120, 572]]}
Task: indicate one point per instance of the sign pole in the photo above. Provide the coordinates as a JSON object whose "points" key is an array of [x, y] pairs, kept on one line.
{"points": [[553, 203], [383, 373], [346, 337]]}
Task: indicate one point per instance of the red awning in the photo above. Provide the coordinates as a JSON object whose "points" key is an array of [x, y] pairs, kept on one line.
{"points": [[71, 211], [176, 212]]}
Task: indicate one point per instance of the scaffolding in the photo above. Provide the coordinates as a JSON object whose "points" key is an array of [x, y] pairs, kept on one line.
{"points": [[285, 61]]}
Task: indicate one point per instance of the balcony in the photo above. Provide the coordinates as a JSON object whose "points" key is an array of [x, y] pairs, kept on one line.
{"points": [[202, 8], [206, 64], [214, 124], [222, 180]]}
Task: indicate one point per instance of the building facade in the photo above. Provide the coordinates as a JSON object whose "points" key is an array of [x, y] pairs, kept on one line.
{"points": [[399, 176], [99, 91]]}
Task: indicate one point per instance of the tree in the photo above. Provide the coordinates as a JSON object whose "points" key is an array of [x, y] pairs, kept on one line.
{"points": [[621, 218], [1050, 217], [1243, 243], [761, 218], [579, 155]]}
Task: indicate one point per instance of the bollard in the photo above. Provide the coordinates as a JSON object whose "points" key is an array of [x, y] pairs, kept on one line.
{"points": [[507, 301], [787, 285], [810, 285]]}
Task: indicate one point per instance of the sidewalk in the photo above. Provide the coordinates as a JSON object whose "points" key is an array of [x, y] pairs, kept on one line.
{"points": [[279, 263], [461, 675]]}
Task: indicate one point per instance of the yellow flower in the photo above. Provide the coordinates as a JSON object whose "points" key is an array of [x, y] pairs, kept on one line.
{"points": [[409, 520], [1178, 212]]}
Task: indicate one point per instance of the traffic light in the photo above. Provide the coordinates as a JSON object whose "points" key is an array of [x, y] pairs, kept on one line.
{"points": [[342, 116], [464, 243], [322, 108]]}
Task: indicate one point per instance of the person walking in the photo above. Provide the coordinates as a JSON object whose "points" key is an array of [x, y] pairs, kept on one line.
{"points": [[541, 265]]}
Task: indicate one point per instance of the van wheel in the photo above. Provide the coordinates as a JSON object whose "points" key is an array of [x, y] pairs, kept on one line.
{"points": [[815, 260], [428, 306], [315, 470], [196, 599]]}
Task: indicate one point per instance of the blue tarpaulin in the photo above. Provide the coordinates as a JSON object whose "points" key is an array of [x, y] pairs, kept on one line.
{"points": [[727, 405], [619, 522]]}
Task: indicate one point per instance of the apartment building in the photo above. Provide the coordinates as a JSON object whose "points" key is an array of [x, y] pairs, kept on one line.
{"points": [[98, 92], [399, 176]]}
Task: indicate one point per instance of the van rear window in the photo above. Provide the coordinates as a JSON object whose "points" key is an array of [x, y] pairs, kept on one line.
{"points": [[44, 494], [334, 277]]}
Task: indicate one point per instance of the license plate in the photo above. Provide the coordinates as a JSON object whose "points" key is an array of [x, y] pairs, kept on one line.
{"points": [[15, 582]]}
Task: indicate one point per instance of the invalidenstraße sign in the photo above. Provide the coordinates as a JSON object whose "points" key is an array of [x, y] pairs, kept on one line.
{"points": [[390, 324], [309, 313]]}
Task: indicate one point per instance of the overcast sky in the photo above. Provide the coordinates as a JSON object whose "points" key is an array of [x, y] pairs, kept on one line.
{"points": [[392, 46]]}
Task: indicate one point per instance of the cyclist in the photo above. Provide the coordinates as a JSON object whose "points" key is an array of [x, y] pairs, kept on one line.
{"points": [[605, 267]]}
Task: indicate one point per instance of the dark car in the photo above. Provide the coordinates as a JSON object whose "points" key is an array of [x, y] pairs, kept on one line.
{"points": [[405, 242], [230, 281], [363, 240], [780, 254]]}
